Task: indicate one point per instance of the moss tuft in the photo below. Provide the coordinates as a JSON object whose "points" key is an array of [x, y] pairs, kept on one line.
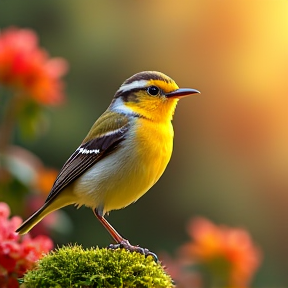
{"points": [[73, 266]]}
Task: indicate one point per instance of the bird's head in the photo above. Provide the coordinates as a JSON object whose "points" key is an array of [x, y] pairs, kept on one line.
{"points": [[149, 94]]}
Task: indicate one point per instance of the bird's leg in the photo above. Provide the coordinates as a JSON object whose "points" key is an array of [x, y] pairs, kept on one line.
{"points": [[120, 241], [115, 235]]}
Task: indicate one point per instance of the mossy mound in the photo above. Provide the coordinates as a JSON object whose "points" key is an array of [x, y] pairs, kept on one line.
{"points": [[73, 266]]}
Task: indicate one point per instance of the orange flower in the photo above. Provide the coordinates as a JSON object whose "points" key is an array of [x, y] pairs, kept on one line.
{"points": [[226, 252], [45, 179], [27, 68]]}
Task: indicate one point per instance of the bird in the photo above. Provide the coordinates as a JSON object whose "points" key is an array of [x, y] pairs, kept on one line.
{"points": [[123, 155]]}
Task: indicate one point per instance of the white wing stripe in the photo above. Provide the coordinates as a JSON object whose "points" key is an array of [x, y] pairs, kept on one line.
{"points": [[111, 132], [86, 151]]}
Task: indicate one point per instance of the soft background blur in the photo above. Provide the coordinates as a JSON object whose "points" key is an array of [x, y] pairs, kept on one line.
{"points": [[230, 160]]}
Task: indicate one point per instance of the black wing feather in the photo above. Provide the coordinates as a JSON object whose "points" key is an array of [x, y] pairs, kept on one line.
{"points": [[82, 159]]}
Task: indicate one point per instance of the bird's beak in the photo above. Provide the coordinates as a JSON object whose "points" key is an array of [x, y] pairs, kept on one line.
{"points": [[182, 92]]}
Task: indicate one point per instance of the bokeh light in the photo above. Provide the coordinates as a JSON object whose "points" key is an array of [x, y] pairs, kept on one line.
{"points": [[230, 158]]}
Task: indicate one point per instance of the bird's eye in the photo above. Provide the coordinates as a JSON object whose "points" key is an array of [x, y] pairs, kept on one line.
{"points": [[153, 90]]}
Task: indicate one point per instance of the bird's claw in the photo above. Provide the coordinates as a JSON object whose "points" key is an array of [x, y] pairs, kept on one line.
{"points": [[127, 246]]}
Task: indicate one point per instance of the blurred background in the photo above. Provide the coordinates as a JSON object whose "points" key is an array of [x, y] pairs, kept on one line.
{"points": [[230, 160]]}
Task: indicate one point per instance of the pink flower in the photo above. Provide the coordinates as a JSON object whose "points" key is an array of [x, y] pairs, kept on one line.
{"points": [[17, 253], [27, 68]]}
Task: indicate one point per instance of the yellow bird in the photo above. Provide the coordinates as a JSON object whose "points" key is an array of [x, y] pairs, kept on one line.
{"points": [[124, 154]]}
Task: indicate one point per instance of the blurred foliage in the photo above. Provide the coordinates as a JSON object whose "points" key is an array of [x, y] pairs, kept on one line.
{"points": [[230, 158]]}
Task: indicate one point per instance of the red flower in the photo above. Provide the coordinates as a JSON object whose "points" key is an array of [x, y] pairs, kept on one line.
{"points": [[17, 254], [27, 68], [227, 252]]}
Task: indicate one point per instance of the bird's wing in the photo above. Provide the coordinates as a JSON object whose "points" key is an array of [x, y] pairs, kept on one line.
{"points": [[87, 154]]}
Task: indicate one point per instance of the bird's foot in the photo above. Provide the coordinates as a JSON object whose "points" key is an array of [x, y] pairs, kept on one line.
{"points": [[124, 244]]}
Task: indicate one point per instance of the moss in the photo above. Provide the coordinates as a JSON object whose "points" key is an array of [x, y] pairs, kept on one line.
{"points": [[73, 266]]}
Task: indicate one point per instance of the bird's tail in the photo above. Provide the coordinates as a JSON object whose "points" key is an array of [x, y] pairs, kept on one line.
{"points": [[55, 203]]}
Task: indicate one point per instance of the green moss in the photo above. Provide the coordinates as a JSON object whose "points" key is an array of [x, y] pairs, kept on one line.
{"points": [[72, 266]]}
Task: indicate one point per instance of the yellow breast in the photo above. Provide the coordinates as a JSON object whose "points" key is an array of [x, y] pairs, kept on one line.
{"points": [[155, 147], [143, 164]]}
